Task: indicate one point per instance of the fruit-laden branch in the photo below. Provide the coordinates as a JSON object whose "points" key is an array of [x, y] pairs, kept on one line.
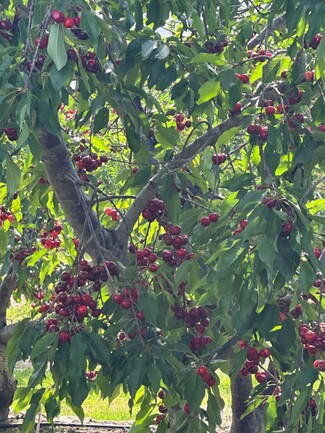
{"points": [[6, 288], [277, 24], [74, 202], [181, 158]]}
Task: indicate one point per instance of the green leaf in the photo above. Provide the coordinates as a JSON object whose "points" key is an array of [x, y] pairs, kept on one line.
{"points": [[42, 345], [89, 22], [270, 415], [101, 120], [167, 137], [239, 180], [134, 381], [56, 48], [306, 277], [266, 250], [209, 90], [147, 48], [228, 135], [12, 176], [300, 404]]}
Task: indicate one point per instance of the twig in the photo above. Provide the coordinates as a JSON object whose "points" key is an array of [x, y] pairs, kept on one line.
{"points": [[311, 187]]}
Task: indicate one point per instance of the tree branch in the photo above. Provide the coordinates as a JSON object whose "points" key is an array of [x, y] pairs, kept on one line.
{"points": [[181, 158], [74, 202], [278, 23]]}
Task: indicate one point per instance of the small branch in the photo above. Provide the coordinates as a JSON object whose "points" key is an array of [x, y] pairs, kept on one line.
{"points": [[311, 187], [277, 24]]}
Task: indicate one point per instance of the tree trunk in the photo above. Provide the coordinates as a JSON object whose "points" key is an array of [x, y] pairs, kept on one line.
{"points": [[240, 390], [7, 385]]}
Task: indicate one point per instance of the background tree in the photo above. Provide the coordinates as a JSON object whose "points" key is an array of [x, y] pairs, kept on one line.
{"points": [[162, 200]]}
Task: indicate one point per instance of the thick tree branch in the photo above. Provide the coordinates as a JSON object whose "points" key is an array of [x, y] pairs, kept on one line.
{"points": [[181, 158], [6, 333], [74, 202], [277, 24]]}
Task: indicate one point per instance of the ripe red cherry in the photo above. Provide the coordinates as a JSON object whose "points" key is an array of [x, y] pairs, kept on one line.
{"points": [[244, 78], [179, 118], [153, 267], [252, 354], [82, 310], [237, 108], [263, 133], [77, 21], [205, 221], [310, 336], [265, 353], [126, 304], [251, 129], [161, 394], [270, 111], [284, 74], [140, 315], [188, 124], [64, 337], [202, 371], [117, 298], [242, 344], [68, 23], [57, 16], [281, 108], [261, 377], [309, 75], [211, 381], [213, 217], [187, 408], [243, 224], [180, 126], [42, 42]]}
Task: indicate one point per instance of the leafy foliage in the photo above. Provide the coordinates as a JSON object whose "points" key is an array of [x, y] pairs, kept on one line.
{"points": [[223, 120]]}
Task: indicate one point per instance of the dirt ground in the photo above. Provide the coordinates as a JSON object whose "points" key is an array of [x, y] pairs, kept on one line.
{"points": [[69, 424]]}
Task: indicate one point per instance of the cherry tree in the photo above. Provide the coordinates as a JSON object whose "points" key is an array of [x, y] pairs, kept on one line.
{"points": [[162, 209]]}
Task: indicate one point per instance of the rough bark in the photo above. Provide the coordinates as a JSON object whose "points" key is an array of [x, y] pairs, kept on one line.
{"points": [[241, 388], [7, 385], [75, 203]]}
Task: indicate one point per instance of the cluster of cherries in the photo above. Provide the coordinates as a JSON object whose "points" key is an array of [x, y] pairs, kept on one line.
{"points": [[127, 298], [8, 27], [50, 238], [196, 318], [73, 299], [253, 361], [213, 217], [219, 158], [155, 210], [175, 239], [260, 56], [71, 23], [89, 161], [113, 213], [145, 258], [68, 22], [281, 204], [6, 215], [90, 62], [313, 339], [203, 372], [261, 131], [240, 227], [181, 123], [11, 133], [22, 251], [213, 47]]}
